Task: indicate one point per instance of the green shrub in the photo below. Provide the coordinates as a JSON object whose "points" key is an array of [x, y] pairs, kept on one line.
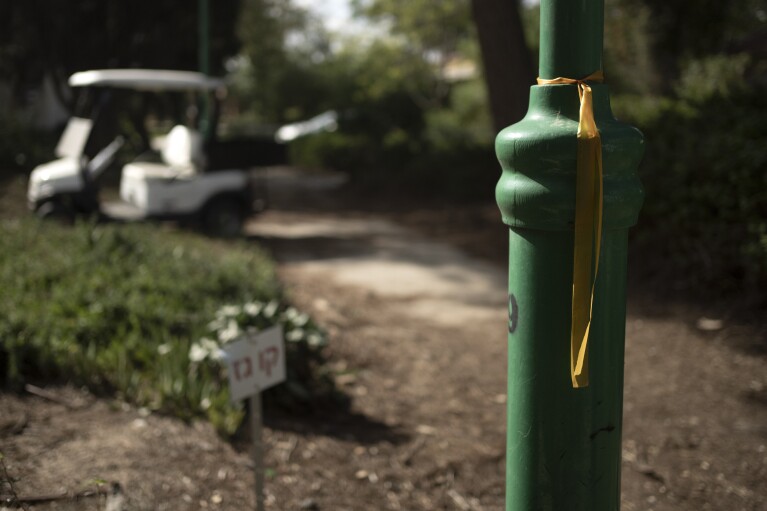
{"points": [[464, 122], [403, 127], [118, 308], [352, 154], [705, 174]]}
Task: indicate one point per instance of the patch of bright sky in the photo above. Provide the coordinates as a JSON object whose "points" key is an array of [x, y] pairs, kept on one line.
{"points": [[337, 16]]}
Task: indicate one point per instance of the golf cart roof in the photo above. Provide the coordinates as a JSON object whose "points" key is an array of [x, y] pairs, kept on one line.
{"points": [[145, 79]]}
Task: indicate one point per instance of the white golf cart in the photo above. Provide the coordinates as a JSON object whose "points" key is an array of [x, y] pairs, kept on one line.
{"points": [[202, 180]]}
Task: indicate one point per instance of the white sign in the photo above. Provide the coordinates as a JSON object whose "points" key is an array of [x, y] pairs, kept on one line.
{"points": [[255, 363]]}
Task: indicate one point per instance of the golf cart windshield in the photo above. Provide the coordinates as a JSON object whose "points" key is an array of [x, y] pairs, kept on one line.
{"points": [[75, 136], [108, 97]]}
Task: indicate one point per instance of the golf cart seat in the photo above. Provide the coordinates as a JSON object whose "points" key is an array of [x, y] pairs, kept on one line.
{"points": [[182, 157]]}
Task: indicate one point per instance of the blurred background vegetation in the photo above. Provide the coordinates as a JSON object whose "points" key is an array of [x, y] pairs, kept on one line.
{"points": [[411, 87]]}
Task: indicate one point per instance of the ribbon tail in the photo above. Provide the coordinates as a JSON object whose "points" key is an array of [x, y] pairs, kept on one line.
{"points": [[588, 230]]}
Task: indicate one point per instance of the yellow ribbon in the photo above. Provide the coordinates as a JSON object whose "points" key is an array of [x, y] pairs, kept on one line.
{"points": [[588, 225]]}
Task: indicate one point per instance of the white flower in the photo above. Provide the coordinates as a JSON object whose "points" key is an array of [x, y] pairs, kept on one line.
{"points": [[270, 309], [315, 339], [209, 345], [295, 335], [216, 324], [205, 403], [197, 353], [204, 348], [253, 308], [229, 310], [164, 349], [230, 333], [301, 320]]}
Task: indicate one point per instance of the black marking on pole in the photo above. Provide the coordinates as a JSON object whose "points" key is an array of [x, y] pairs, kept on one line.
{"points": [[607, 429], [513, 313]]}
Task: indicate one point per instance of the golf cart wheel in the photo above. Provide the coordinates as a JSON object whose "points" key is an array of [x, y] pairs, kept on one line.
{"points": [[56, 211], [223, 217]]}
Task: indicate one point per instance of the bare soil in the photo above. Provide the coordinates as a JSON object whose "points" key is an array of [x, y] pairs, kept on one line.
{"points": [[418, 342]]}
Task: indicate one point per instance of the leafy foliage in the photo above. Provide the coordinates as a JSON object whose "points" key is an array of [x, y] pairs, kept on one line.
{"points": [[429, 26], [400, 116], [649, 42], [705, 216], [277, 75], [379, 90], [118, 308], [628, 55]]}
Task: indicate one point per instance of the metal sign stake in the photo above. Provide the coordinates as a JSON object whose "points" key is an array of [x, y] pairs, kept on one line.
{"points": [[255, 363], [258, 448]]}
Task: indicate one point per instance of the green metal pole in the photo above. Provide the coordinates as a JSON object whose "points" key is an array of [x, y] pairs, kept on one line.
{"points": [[564, 443], [203, 19]]}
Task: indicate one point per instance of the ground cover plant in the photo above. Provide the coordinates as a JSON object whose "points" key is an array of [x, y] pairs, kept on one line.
{"points": [[125, 310]]}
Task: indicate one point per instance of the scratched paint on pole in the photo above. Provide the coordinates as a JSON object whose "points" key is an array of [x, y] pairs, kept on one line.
{"points": [[255, 363]]}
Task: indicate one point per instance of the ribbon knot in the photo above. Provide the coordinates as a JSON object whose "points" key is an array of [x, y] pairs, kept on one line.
{"points": [[588, 225]]}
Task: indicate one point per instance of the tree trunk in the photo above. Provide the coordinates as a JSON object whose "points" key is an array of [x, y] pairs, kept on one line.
{"points": [[505, 58]]}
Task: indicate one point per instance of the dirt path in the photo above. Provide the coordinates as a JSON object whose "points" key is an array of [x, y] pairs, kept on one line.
{"points": [[418, 342], [416, 324], [696, 422]]}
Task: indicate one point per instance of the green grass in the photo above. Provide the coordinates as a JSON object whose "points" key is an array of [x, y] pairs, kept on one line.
{"points": [[119, 307]]}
